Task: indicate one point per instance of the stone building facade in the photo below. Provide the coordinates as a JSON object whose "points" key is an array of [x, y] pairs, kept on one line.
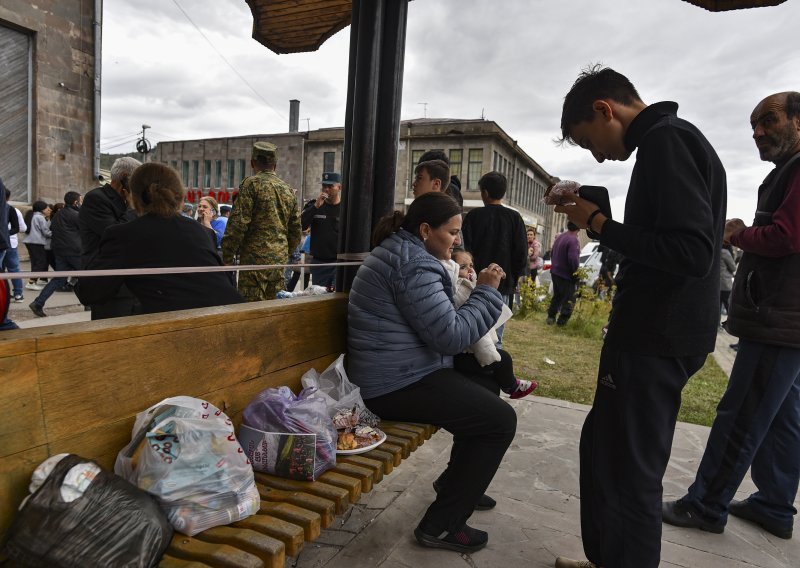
{"points": [[475, 147], [47, 97]]}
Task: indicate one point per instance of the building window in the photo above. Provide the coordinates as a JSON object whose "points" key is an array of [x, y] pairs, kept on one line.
{"points": [[195, 173], [218, 173], [231, 173], [242, 172], [329, 162], [474, 168], [415, 156], [456, 158], [206, 173], [185, 172], [174, 165]]}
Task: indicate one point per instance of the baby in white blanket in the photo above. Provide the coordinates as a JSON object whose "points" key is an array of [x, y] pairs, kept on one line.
{"points": [[483, 355]]}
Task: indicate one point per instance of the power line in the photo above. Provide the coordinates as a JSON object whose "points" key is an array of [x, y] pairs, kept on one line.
{"points": [[131, 141], [228, 63], [117, 137]]}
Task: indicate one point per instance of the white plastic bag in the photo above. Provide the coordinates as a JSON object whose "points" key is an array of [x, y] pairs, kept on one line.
{"points": [[184, 451], [334, 386]]}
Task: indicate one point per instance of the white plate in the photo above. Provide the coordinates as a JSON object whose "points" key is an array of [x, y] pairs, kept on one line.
{"points": [[365, 448]]}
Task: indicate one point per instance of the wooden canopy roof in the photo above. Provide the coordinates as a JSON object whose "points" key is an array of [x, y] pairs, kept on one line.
{"points": [[291, 26], [724, 5]]}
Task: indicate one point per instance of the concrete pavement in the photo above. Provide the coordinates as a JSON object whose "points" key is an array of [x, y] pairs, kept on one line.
{"points": [[537, 517]]}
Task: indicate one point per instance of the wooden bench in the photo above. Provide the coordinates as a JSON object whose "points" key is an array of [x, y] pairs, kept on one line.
{"points": [[77, 389]]}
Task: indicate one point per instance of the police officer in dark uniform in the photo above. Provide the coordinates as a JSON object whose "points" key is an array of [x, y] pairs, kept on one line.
{"points": [[322, 217]]}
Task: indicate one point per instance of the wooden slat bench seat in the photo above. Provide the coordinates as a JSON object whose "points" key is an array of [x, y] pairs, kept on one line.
{"points": [[77, 389]]}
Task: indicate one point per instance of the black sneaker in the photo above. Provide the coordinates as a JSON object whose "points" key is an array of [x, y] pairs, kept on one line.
{"points": [[464, 540], [680, 514], [37, 309], [484, 501], [551, 321], [744, 510]]}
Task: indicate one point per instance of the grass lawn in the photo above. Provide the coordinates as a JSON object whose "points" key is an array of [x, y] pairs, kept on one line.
{"points": [[575, 351]]}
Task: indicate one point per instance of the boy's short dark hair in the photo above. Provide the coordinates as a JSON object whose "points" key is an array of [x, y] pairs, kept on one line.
{"points": [[494, 184], [434, 155], [437, 169], [595, 82], [71, 197]]}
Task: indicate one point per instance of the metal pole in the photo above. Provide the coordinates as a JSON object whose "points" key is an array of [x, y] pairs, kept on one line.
{"points": [[389, 104], [348, 136], [358, 198]]}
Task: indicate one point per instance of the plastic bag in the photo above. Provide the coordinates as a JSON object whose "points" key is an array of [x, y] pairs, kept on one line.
{"points": [[185, 452], [278, 411], [562, 193], [104, 521], [338, 392]]}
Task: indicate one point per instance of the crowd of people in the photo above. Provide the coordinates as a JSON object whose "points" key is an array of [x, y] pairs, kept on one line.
{"points": [[428, 305]]}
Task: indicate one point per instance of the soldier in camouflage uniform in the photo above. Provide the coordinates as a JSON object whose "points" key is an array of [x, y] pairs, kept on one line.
{"points": [[264, 226]]}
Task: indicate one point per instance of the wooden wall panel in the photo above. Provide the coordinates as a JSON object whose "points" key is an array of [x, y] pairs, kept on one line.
{"points": [[88, 385], [77, 389], [21, 421], [15, 476]]}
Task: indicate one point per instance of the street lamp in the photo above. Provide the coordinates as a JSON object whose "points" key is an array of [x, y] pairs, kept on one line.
{"points": [[143, 145]]}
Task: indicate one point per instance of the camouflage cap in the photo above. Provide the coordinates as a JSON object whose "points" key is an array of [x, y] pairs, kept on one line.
{"points": [[265, 149]]}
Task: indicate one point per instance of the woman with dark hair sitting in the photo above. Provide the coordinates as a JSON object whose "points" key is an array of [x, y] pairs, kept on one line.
{"points": [[160, 237], [403, 331]]}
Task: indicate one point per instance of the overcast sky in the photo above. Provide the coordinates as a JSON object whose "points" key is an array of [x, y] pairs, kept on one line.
{"points": [[512, 60]]}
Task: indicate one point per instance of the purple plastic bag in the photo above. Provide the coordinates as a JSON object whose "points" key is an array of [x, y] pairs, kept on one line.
{"points": [[279, 410]]}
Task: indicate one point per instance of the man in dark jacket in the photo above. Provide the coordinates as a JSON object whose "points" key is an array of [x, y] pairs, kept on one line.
{"points": [[496, 233], [665, 313], [758, 419], [104, 206], [66, 244]]}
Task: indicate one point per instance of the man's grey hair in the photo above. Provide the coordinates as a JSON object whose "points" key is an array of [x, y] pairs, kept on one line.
{"points": [[188, 208], [123, 167]]}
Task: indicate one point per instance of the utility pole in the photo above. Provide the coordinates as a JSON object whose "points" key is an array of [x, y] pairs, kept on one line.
{"points": [[308, 123], [424, 109]]}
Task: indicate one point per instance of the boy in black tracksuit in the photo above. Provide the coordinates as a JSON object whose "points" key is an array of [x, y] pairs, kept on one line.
{"points": [[664, 317]]}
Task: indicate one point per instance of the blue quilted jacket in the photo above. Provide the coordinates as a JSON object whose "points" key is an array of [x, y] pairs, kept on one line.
{"points": [[401, 321]]}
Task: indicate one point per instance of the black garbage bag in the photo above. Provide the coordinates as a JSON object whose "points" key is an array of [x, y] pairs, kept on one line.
{"points": [[113, 523]]}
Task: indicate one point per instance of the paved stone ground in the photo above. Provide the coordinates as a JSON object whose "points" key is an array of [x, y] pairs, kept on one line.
{"points": [[61, 307], [537, 516]]}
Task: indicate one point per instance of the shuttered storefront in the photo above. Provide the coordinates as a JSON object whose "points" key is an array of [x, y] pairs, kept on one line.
{"points": [[15, 145]]}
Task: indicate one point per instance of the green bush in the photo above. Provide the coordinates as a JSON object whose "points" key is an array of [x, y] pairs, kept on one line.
{"points": [[591, 308], [533, 298]]}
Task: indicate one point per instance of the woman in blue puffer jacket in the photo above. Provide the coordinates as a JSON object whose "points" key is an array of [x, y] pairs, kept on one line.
{"points": [[403, 331]]}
